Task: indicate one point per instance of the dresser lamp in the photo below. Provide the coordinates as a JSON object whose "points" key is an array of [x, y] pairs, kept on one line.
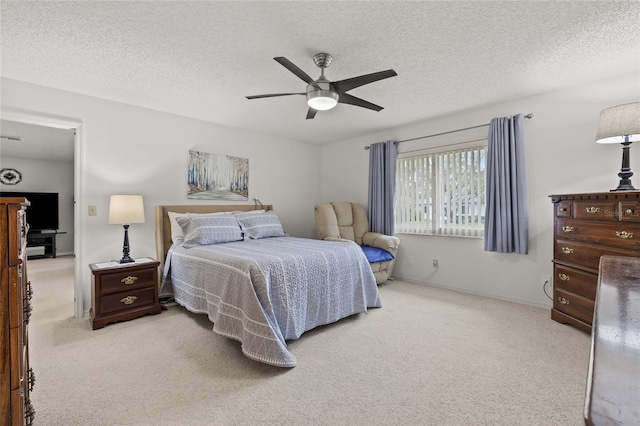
{"points": [[621, 124], [125, 210]]}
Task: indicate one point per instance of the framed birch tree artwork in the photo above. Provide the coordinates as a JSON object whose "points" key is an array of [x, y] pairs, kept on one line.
{"points": [[217, 177]]}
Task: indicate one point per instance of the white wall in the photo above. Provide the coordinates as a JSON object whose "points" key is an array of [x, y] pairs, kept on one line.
{"points": [[48, 176], [131, 150], [562, 157]]}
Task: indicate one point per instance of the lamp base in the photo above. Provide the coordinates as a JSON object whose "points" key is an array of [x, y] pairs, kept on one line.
{"points": [[625, 171], [625, 181], [623, 188], [125, 247]]}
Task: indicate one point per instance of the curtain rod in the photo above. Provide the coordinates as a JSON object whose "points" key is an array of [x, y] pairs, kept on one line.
{"points": [[530, 115]]}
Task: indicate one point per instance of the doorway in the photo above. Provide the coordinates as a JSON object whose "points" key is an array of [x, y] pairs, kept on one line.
{"points": [[67, 134]]}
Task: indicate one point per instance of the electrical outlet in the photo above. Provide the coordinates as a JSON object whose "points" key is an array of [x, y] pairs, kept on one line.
{"points": [[435, 263], [93, 211], [410, 260]]}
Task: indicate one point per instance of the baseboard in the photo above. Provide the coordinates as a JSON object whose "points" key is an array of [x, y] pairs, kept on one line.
{"points": [[476, 293]]}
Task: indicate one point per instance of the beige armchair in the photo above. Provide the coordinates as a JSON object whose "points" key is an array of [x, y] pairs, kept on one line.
{"points": [[348, 221]]}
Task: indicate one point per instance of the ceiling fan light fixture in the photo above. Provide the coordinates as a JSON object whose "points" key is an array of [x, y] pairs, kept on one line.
{"points": [[322, 100]]}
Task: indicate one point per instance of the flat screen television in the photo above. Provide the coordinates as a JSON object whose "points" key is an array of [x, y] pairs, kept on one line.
{"points": [[42, 214]]}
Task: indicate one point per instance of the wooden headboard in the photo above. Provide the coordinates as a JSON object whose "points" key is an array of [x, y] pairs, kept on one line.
{"points": [[163, 226]]}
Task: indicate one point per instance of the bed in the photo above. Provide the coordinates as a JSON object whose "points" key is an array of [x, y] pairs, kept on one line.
{"points": [[259, 286]]}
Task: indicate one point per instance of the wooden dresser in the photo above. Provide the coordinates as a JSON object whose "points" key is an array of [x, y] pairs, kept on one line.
{"points": [[16, 378], [588, 226]]}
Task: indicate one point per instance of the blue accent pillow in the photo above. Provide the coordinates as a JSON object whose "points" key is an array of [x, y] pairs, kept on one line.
{"points": [[375, 254]]}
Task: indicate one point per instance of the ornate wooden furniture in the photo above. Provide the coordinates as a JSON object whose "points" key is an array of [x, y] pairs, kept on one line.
{"points": [[123, 291], [16, 378], [588, 226], [613, 384]]}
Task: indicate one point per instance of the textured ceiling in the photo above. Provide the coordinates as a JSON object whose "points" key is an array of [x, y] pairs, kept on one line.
{"points": [[200, 59]]}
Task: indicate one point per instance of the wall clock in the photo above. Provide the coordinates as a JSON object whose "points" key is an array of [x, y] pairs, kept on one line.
{"points": [[10, 176]]}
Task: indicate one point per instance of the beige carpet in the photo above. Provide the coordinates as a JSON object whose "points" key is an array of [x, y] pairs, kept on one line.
{"points": [[427, 357]]}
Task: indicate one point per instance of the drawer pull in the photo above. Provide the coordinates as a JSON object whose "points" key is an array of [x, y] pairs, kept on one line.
{"points": [[129, 280], [629, 212], [563, 301], [567, 228], [129, 300], [564, 277], [563, 209], [32, 379], [592, 210], [624, 235], [567, 250]]}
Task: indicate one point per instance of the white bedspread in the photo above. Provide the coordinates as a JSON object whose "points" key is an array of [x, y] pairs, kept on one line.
{"points": [[264, 292]]}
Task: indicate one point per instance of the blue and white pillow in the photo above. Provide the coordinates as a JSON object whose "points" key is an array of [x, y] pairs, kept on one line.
{"points": [[375, 254], [177, 235], [206, 230], [256, 226]]}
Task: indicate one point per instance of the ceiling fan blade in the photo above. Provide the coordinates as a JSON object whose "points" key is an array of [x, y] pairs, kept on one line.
{"points": [[311, 113], [351, 83], [273, 95], [346, 98], [294, 69]]}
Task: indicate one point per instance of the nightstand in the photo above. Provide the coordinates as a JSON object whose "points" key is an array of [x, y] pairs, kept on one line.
{"points": [[123, 291]]}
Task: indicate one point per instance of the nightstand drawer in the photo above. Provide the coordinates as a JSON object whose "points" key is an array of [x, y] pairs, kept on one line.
{"points": [[575, 281], [127, 300], [574, 305], [127, 280]]}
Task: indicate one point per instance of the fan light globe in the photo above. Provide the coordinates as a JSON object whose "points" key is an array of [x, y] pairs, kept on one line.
{"points": [[322, 100]]}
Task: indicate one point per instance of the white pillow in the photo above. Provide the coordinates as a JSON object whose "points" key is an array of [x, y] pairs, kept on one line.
{"points": [[177, 235]]}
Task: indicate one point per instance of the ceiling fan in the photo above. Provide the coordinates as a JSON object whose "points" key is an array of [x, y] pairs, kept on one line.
{"points": [[323, 94]]}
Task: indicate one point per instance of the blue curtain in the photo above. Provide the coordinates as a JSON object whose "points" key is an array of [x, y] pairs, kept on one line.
{"points": [[506, 217], [382, 186]]}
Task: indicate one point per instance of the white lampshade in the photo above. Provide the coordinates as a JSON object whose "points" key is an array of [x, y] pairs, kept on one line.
{"points": [[322, 100], [618, 122], [126, 209]]}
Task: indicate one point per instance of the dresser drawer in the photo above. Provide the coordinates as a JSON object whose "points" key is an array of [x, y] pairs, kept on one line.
{"points": [[596, 210], [16, 357], [585, 254], [624, 235], [564, 209], [574, 305], [15, 296], [18, 405], [127, 280], [575, 281], [629, 211], [127, 300]]}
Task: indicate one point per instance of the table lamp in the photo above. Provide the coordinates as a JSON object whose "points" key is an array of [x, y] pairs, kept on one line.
{"points": [[621, 124], [125, 210]]}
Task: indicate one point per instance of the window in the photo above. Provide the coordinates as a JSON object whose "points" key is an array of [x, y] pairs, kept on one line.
{"points": [[442, 193]]}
